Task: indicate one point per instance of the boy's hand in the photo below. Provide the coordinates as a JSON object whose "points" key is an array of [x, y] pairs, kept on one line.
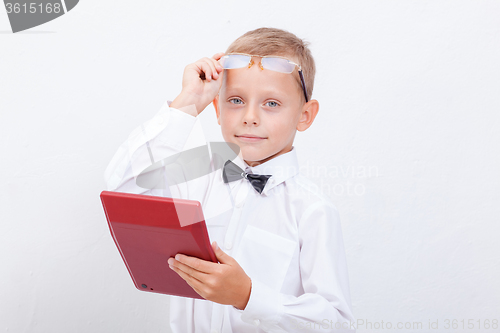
{"points": [[224, 283], [201, 82]]}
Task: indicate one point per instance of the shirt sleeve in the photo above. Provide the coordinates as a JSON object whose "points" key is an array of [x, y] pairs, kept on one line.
{"points": [[158, 138], [325, 305]]}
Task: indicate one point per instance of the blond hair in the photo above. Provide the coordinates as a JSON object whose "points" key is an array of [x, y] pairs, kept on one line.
{"points": [[273, 41]]}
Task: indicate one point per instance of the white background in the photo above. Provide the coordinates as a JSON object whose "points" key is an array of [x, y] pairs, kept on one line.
{"points": [[407, 132]]}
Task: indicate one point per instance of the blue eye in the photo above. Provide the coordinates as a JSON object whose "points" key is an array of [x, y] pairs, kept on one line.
{"points": [[272, 105], [238, 101]]}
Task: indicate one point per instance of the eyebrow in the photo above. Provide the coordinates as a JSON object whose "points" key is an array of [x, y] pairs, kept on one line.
{"points": [[238, 88]]}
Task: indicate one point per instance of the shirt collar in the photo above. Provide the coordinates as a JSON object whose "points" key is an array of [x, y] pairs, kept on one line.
{"points": [[281, 168]]}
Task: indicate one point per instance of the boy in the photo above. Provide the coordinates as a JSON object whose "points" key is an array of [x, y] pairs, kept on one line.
{"points": [[282, 267]]}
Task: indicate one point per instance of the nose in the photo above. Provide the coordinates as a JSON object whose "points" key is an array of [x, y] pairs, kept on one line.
{"points": [[251, 115]]}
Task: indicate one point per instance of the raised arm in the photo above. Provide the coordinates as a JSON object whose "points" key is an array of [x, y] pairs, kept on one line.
{"points": [[164, 135]]}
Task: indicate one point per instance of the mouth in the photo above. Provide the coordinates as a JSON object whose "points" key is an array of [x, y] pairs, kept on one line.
{"points": [[250, 138]]}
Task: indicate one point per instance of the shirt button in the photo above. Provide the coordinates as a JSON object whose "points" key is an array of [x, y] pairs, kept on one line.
{"points": [[160, 120], [214, 331], [229, 245], [239, 204], [256, 322]]}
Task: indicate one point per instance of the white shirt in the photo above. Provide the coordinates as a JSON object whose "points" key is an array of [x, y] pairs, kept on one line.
{"points": [[288, 239]]}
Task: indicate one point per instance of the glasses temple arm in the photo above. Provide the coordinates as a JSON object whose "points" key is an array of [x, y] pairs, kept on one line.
{"points": [[303, 84]]}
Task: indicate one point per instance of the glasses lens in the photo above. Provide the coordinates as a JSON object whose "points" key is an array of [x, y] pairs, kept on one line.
{"points": [[278, 65], [234, 61]]}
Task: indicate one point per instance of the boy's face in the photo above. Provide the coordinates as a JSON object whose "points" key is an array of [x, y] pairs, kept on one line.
{"points": [[265, 104]]}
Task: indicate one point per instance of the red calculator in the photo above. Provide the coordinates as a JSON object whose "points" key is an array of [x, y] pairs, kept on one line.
{"points": [[148, 230]]}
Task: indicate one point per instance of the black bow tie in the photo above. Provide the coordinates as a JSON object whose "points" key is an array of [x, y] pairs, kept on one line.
{"points": [[232, 172]]}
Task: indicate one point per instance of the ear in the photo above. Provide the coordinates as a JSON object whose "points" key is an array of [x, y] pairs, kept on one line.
{"points": [[216, 107], [308, 113]]}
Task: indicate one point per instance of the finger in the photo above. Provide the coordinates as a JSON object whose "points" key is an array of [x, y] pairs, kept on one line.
{"points": [[203, 69], [194, 263], [189, 270], [193, 282], [223, 257], [217, 66], [215, 72], [218, 55], [207, 70]]}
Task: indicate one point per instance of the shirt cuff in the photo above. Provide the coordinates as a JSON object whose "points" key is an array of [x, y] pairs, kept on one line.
{"points": [[264, 306]]}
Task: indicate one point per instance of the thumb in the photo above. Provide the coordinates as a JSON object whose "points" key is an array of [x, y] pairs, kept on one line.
{"points": [[221, 255]]}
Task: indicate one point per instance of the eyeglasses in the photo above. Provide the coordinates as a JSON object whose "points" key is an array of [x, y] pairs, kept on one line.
{"points": [[273, 63]]}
